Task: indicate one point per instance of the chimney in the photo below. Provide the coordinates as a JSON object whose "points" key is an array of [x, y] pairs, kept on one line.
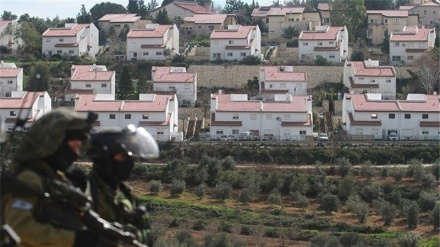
{"points": [[220, 91], [434, 93]]}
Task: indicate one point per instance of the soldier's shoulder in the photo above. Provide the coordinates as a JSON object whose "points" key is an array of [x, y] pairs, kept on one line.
{"points": [[31, 178]]}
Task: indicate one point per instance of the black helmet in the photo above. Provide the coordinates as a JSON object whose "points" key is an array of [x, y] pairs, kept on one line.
{"points": [[135, 142]]}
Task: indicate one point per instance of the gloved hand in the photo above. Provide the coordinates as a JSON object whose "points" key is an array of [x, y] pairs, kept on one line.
{"points": [[86, 238]]}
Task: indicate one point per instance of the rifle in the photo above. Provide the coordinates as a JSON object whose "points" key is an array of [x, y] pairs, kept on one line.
{"points": [[8, 237], [71, 198]]}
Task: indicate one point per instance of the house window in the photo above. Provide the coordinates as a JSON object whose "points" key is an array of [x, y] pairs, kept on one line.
{"points": [[374, 116], [145, 116], [235, 116], [388, 81], [386, 20], [125, 25], [61, 40], [235, 132], [434, 12], [211, 28], [71, 51], [397, 43], [135, 54], [395, 58], [319, 43], [158, 53], [112, 116], [270, 86], [12, 113], [410, 57], [253, 116], [229, 54], [117, 25], [424, 116], [302, 132], [424, 12], [391, 116], [396, 21], [145, 53], [231, 42], [219, 132], [127, 116], [9, 82], [372, 80], [407, 116], [331, 42], [88, 85], [305, 44], [160, 132], [59, 51], [199, 27], [331, 56], [243, 54], [103, 85]]}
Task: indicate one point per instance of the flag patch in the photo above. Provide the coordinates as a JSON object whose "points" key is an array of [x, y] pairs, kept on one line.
{"points": [[20, 204]]}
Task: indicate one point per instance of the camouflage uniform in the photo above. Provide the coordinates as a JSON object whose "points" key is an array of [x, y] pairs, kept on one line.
{"points": [[113, 200], [28, 215]]}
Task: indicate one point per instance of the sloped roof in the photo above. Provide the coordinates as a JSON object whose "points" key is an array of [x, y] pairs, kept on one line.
{"points": [[329, 34], [26, 101], [389, 13], [158, 32], [241, 33], [119, 18], [88, 103], [87, 73], [10, 72], [65, 32], [273, 73], [412, 34], [428, 103], [4, 23], [206, 18], [194, 7], [276, 11], [164, 74], [360, 69]]}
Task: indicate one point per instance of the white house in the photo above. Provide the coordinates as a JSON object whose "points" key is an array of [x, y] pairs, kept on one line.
{"points": [[90, 79], [158, 114], [329, 42], [183, 9], [203, 24], [416, 118], [72, 40], [175, 80], [11, 79], [120, 22], [410, 44], [367, 76], [8, 35], [235, 43], [23, 105], [281, 80], [286, 118], [155, 42]]}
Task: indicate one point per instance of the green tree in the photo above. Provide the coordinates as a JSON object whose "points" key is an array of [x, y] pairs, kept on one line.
{"points": [[152, 5], [125, 89], [166, 2], [251, 60], [330, 203], [8, 16], [291, 32], [31, 40], [177, 187], [434, 217], [222, 191], [408, 240], [346, 187], [101, 9], [162, 17], [350, 13], [385, 46], [298, 184], [427, 70], [388, 212], [321, 61], [379, 4], [253, 86], [412, 215], [83, 16], [357, 55], [141, 85], [133, 6], [39, 78]]}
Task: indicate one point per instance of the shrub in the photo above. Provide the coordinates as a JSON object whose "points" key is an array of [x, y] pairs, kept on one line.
{"points": [[349, 238], [384, 172], [302, 201], [408, 240], [321, 61], [298, 184], [434, 217], [185, 238], [344, 166], [156, 186], [412, 215], [273, 181], [246, 195], [388, 212], [367, 170], [216, 240], [415, 169], [200, 190], [330, 203], [177, 187], [370, 192], [274, 197], [361, 210], [251, 60], [228, 163], [435, 169], [428, 180], [352, 202], [345, 187], [222, 191], [397, 174]]}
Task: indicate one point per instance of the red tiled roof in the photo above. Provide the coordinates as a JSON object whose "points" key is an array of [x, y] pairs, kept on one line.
{"points": [[430, 104], [209, 19], [10, 72], [285, 10], [224, 123], [158, 32], [241, 33], [360, 69], [119, 18], [363, 122], [88, 103], [225, 104], [164, 74], [273, 73], [194, 7], [308, 122], [26, 101], [4, 23], [159, 104], [64, 32], [360, 103], [389, 13], [86, 73], [323, 6], [329, 34], [261, 12], [413, 34]]}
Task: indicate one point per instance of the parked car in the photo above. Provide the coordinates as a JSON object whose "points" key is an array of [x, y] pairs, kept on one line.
{"points": [[322, 137], [228, 138], [393, 136]]}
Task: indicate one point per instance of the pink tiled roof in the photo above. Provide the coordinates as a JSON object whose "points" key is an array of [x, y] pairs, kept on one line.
{"points": [[430, 104], [164, 74], [64, 32], [273, 73], [225, 104], [78, 91], [4, 23], [323, 6], [86, 73], [158, 32], [209, 18], [241, 33], [88, 103], [285, 10], [120, 18], [389, 13], [26, 101], [406, 7], [195, 8], [308, 122], [329, 34], [410, 34], [360, 69], [430, 4], [10, 72], [260, 12]]}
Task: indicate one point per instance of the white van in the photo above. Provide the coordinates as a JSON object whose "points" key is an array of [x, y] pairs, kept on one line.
{"points": [[246, 136]]}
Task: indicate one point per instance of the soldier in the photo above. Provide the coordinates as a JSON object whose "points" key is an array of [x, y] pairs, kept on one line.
{"points": [[112, 152], [44, 154]]}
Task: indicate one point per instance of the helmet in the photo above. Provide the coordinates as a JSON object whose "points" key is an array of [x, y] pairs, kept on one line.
{"points": [[135, 142], [47, 134]]}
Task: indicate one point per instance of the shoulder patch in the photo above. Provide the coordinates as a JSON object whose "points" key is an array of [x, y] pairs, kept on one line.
{"points": [[20, 204]]}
